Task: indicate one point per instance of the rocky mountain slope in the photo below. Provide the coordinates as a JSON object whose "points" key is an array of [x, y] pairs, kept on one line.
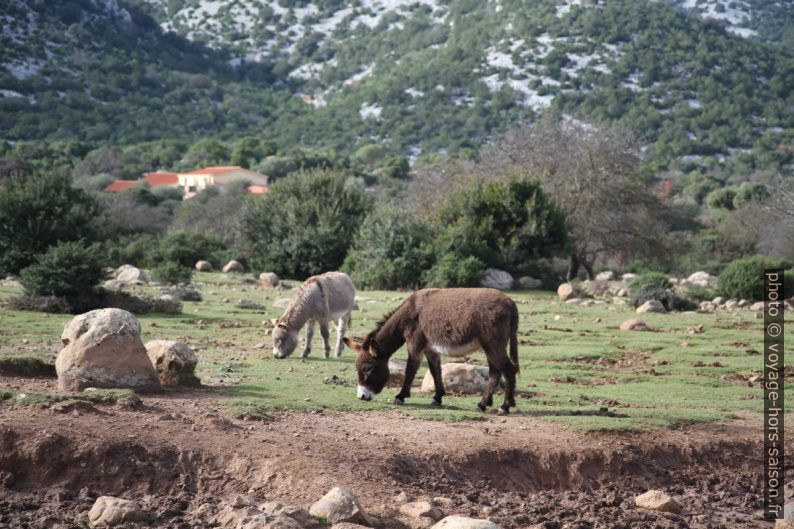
{"points": [[705, 82]]}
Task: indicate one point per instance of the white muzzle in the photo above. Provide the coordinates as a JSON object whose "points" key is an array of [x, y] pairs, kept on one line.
{"points": [[364, 393]]}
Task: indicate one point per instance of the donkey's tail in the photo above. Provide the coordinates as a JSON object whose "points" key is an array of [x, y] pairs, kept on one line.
{"points": [[514, 338]]}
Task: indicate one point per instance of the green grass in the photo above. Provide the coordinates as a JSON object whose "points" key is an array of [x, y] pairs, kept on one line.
{"points": [[574, 360]]}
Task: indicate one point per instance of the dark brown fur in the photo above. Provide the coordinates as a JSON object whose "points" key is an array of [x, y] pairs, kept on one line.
{"points": [[447, 317]]}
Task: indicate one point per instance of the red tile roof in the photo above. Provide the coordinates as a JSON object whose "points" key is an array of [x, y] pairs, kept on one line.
{"points": [[161, 178], [258, 190], [120, 185], [216, 170]]}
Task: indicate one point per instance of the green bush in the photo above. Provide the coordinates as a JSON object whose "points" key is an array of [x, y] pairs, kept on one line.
{"points": [[390, 251], [185, 248], [508, 224], [455, 271], [744, 278], [657, 279], [173, 273], [38, 211], [304, 225], [67, 269]]}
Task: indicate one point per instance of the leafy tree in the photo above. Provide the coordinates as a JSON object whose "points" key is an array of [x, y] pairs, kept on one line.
{"points": [[173, 273], [66, 269], [508, 224], [39, 211], [391, 250], [304, 225]]}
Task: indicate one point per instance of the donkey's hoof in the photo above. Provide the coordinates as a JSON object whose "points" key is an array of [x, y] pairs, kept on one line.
{"points": [[398, 401], [481, 408], [436, 403], [503, 411]]}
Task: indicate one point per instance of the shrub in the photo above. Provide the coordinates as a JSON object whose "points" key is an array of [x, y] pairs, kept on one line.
{"points": [[508, 224], [656, 279], [97, 299], [172, 273], [744, 278], [455, 271], [68, 269], [390, 251], [185, 248], [304, 225], [38, 211]]}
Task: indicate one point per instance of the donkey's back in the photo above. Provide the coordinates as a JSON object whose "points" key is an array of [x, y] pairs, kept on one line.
{"points": [[337, 293]]}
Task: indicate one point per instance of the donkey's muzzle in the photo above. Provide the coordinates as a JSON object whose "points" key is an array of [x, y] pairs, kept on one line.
{"points": [[364, 393]]}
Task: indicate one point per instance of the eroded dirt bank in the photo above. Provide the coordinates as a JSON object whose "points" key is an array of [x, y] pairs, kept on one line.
{"points": [[179, 458]]}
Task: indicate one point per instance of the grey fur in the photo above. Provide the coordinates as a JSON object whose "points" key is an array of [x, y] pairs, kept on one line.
{"points": [[322, 298]]}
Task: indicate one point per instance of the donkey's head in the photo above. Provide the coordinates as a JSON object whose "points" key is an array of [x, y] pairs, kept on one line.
{"points": [[373, 372], [285, 340]]}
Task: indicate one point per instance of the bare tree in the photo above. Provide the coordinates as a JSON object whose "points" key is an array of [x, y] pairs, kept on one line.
{"points": [[593, 173]]}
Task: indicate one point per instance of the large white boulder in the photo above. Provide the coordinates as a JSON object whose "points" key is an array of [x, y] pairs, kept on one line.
{"points": [[657, 500], [103, 349], [340, 505], [607, 275], [203, 266], [131, 275], [498, 279], [268, 280], [109, 511], [652, 305], [234, 266], [700, 280], [568, 291], [459, 378], [174, 361]]}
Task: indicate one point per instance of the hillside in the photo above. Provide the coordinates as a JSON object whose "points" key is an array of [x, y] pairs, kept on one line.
{"points": [[422, 76]]}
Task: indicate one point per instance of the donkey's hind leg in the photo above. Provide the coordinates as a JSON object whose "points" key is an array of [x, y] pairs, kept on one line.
{"points": [[435, 370], [340, 333], [494, 375], [509, 371], [324, 333]]}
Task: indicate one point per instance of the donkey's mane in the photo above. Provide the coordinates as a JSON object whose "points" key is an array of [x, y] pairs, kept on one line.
{"points": [[381, 323]]}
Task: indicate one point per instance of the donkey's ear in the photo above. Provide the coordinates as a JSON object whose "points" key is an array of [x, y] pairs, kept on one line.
{"points": [[353, 344], [270, 323], [373, 347], [281, 324]]}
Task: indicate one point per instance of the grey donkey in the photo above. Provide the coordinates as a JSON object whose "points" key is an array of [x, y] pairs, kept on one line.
{"points": [[320, 299]]}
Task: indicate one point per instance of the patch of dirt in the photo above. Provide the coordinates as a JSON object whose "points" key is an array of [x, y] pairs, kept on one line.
{"points": [[180, 455]]}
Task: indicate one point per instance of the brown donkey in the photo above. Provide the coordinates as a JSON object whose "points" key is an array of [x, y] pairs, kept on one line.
{"points": [[451, 322]]}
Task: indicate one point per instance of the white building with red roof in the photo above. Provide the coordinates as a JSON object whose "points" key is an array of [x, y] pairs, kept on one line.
{"points": [[195, 181]]}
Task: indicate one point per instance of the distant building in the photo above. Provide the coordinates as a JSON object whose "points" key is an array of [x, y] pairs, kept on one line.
{"points": [[120, 185], [200, 179], [161, 179], [196, 181]]}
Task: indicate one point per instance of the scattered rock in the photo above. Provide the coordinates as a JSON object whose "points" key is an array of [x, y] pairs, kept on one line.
{"points": [[568, 291], [459, 378], [109, 511], [758, 306], [184, 294], [11, 281], [268, 280], [695, 329], [707, 306], [595, 288], [743, 303], [574, 301], [788, 517], [529, 283], [731, 304], [461, 522], [719, 300], [299, 514], [634, 325], [75, 406], [701, 280], [174, 361], [114, 284], [340, 505], [422, 509], [498, 279], [166, 297], [131, 275], [657, 500], [233, 266], [628, 278], [622, 292], [651, 306], [396, 372], [607, 275], [103, 348], [348, 525], [203, 266]]}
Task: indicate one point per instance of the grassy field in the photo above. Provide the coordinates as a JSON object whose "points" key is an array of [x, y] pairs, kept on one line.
{"points": [[574, 359]]}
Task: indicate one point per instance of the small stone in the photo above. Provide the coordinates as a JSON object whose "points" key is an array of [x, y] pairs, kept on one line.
{"points": [[657, 500], [461, 522], [634, 325]]}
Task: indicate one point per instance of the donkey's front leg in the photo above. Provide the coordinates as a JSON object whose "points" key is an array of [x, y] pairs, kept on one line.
{"points": [[307, 348], [435, 370], [410, 372], [340, 333], [325, 335]]}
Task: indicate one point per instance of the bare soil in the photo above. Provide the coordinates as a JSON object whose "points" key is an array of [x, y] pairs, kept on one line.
{"points": [[179, 456]]}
